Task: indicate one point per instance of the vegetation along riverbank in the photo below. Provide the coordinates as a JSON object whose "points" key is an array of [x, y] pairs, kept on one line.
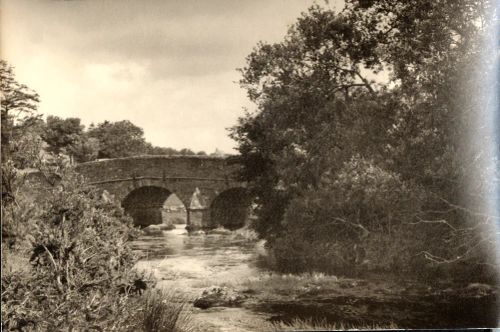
{"points": [[370, 167]]}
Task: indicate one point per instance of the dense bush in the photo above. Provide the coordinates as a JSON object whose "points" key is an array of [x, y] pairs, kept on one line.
{"points": [[357, 219], [366, 219], [79, 264]]}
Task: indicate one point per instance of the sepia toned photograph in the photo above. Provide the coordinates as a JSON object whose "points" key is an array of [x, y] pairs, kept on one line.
{"points": [[266, 165]]}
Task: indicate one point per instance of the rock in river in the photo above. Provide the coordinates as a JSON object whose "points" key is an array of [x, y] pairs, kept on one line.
{"points": [[220, 231], [218, 297], [152, 230]]}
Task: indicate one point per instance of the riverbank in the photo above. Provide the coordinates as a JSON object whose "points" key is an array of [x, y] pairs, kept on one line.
{"points": [[382, 302], [253, 298]]}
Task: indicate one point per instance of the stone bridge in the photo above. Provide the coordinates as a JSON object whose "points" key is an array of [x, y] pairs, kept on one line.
{"points": [[207, 187]]}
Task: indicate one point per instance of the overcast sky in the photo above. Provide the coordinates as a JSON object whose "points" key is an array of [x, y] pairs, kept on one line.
{"points": [[168, 66]]}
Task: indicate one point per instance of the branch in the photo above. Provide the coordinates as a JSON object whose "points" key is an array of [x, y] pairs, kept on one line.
{"points": [[356, 225], [365, 81], [355, 72], [461, 208], [441, 221], [441, 260], [50, 256], [59, 283]]}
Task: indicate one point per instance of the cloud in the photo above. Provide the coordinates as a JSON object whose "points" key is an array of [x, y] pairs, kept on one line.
{"points": [[166, 65]]}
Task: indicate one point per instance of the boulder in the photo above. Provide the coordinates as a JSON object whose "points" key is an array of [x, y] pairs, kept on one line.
{"points": [[152, 230], [199, 232], [220, 231], [216, 296], [166, 227]]}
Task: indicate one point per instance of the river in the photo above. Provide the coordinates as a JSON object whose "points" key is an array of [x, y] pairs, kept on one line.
{"points": [[191, 263]]}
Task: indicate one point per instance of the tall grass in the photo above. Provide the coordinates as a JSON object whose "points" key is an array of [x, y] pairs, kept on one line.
{"points": [[313, 325], [163, 311]]}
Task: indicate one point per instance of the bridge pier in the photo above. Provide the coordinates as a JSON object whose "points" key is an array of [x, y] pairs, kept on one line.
{"points": [[188, 218], [195, 218]]}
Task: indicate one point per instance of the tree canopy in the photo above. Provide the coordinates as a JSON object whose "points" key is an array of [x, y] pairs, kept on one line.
{"points": [[19, 105], [379, 84], [118, 139], [60, 133]]}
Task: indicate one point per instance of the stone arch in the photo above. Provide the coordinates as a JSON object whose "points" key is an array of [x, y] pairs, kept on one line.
{"points": [[230, 208], [145, 204], [183, 191]]}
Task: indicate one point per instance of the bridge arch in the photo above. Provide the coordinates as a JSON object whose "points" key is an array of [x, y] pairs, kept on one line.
{"points": [[230, 208], [145, 204], [154, 178]]}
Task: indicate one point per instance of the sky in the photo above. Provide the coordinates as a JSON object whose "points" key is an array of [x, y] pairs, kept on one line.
{"points": [[169, 66]]}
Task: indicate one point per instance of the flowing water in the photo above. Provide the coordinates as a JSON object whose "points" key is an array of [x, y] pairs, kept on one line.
{"points": [[191, 263]]}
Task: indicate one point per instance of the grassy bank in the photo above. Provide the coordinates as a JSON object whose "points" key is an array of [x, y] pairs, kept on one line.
{"points": [[322, 325], [320, 301], [161, 311]]}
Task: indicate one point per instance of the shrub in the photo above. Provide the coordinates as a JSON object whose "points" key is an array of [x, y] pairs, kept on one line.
{"points": [[161, 311], [365, 218], [355, 221], [79, 259]]}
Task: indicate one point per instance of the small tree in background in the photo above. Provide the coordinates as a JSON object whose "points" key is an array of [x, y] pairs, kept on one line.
{"points": [[118, 139], [84, 148], [61, 134]]}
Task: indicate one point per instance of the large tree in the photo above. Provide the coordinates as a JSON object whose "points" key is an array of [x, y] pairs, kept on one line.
{"points": [[378, 84]]}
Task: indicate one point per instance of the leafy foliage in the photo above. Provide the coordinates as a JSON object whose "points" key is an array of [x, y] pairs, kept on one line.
{"points": [[61, 134], [84, 148], [118, 139], [18, 105], [79, 259], [359, 205], [380, 82], [66, 262]]}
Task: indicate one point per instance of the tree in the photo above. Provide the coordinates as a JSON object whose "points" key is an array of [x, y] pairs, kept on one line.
{"points": [[18, 104], [118, 139], [65, 253], [60, 134], [157, 150], [186, 152], [84, 148], [316, 106], [19, 146], [305, 89]]}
